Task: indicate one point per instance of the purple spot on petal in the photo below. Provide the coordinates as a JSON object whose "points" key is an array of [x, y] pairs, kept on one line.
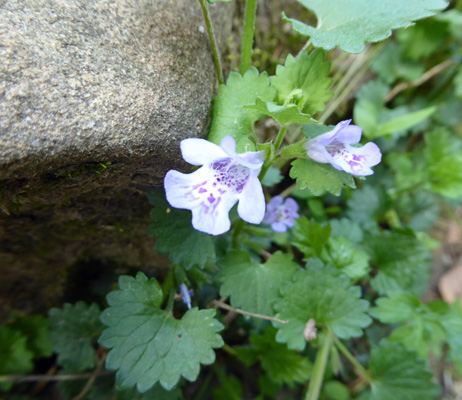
{"points": [[202, 190], [211, 199]]}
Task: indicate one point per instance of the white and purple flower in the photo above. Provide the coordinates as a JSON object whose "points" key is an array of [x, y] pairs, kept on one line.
{"points": [[280, 214], [224, 179], [334, 147]]}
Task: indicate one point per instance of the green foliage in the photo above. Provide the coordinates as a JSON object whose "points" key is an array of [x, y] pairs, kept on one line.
{"points": [[254, 287], [349, 25], [317, 293], [424, 327], [377, 120], [283, 115], [320, 178], [421, 329], [347, 229], [310, 237], [402, 262], [282, 365], [230, 116], [391, 65], [15, 356], [397, 373], [73, 330], [230, 389], [303, 81], [175, 235], [349, 260], [148, 344], [272, 177], [36, 329], [443, 152]]}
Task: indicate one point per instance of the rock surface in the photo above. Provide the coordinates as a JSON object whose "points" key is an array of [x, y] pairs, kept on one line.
{"points": [[95, 96]]}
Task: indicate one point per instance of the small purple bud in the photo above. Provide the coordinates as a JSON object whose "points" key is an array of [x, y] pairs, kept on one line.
{"points": [[186, 295], [281, 214]]}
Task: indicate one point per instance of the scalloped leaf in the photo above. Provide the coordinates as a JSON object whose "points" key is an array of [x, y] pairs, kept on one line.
{"points": [[175, 235], [254, 287], [303, 81], [148, 344], [316, 293], [320, 178], [350, 24], [230, 116], [73, 331]]}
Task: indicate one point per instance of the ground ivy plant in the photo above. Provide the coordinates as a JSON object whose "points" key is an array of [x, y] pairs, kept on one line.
{"points": [[298, 240]]}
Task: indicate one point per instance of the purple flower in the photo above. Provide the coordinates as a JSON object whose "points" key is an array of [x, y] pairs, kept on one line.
{"points": [[334, 147], [280, 214], [224, 179], [186, 295]]}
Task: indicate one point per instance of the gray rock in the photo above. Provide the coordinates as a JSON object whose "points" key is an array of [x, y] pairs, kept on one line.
{"points": [[95, 96]]}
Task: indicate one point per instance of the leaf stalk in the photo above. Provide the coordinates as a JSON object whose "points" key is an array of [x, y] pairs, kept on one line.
{"points": [[249, 31], [213, 42]]}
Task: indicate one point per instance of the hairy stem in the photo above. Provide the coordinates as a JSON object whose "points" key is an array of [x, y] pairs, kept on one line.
{"points": [[247, 39], [277, 145], [320, 367], [213, 42], [225, 306], [359, 368]]}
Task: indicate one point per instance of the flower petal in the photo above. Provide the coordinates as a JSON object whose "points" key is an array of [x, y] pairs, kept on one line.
{"points": [[251, 207], [350, 134], [179, 188], [214, 220], [200, 151], [278, 227]]}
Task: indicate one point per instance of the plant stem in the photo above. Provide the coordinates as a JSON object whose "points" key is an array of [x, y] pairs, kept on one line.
{"points": [[277, 145], [213, 42], [319, 367], [279, 138], [170, 301], [247, 39], [360, 369], [51, 378], [229, 308]]}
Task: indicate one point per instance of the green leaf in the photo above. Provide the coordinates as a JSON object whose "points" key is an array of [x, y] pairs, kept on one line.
{"points": [[282, 365], [316, 293], [349, 260], [254, 287], [404, 122], [397, 373], [390, 64], [347, 229], [175, 235], [377, 120], [351, 24], [15, 357], [310, 237], [273, 177], [422, 330], [73, 330], [320, 178], [334, 390], [36, 329], [230, 116], [303, 81], [148, 344], [402, 262], [364, 207], [442, 154], [283, 115], [458, 83]]}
